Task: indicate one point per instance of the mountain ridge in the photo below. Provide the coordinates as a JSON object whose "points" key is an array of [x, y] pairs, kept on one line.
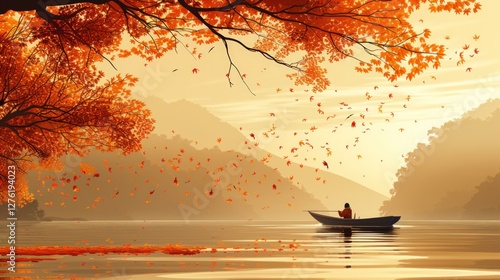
{"points": [[441, 180], [365, 201], [184, 172]]}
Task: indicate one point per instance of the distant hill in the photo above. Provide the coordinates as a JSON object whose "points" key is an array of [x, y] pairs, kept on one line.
{"points": [[335, 192], [202, 129], [453, 176], [194, 123], [171, 180], [186, 174], [484, 203]]}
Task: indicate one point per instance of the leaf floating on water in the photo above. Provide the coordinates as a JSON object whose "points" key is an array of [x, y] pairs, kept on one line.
{"points": [[101, 249]]}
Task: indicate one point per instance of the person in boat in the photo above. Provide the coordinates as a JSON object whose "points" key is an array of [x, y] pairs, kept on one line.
{"points": [[347, 212]]}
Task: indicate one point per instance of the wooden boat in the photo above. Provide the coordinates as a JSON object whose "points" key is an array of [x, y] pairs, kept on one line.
{"points": [[376, 222]]}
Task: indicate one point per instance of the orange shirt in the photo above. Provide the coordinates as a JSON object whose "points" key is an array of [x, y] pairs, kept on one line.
{"points": [[346, 213]]}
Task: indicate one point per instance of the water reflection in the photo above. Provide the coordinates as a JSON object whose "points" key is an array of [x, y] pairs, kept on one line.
{"points": [[347, 231], [270, 250], [359, 248]]}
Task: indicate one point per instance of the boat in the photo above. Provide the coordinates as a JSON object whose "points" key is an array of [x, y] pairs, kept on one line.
{"points": [[375, 222]]}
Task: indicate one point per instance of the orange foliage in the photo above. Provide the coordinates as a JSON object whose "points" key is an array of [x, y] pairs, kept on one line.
{"points": [[124, 249], [320, 30], [48, 109], [54, 100]]}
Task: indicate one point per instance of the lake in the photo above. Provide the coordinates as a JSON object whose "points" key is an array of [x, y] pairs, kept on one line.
{"points": [[254, 250]]}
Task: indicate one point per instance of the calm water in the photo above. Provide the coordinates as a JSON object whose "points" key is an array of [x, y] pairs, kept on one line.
{"points": [[266, 250]]}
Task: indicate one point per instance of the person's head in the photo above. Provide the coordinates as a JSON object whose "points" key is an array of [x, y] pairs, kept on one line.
{"points": [[346, 205]]}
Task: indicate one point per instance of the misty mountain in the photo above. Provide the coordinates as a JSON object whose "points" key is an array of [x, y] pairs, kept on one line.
{"points": [[455, 174], [170, 179], [187, 174], [484, 203], [195, 123], [202, 128]]}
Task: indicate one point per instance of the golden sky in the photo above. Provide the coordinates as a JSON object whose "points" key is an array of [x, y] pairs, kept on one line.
{"points": [[436, 96]]}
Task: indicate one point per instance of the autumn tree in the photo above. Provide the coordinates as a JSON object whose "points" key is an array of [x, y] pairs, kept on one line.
{"points": [[54, 100], [47, 111], [300, 34]]}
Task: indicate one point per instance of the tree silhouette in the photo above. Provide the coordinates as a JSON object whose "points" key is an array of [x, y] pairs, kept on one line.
{"points": [[484, 204], [30, 211], [455, 166]]}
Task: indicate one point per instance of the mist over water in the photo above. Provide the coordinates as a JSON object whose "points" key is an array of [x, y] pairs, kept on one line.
{"points": [[264, 250]]}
